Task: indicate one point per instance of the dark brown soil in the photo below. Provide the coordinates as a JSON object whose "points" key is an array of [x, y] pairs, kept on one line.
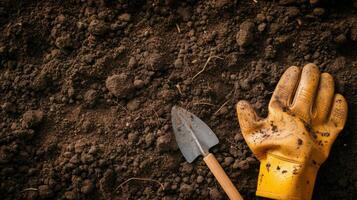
{"points": [[87, 88]]}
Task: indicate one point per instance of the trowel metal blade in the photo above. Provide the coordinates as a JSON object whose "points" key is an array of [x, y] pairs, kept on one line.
{"points": [[193, 136]]}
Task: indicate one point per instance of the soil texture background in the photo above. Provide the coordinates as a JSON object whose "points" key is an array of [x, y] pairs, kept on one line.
{"points": [[87, 88]]}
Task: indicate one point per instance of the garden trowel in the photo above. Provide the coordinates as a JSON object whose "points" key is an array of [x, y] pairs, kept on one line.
{"points": [[195, 138]]}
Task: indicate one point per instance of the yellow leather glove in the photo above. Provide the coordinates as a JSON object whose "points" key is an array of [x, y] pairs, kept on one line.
{"points": [[305, 117]]}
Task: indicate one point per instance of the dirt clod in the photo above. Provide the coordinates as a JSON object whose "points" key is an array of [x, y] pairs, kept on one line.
{"points": [[97, 27], [228, 161], [245, 35], [70, 195], [31, 118], [186, 189], [64, 42], [133, 105], [106, 184], [215, 194], [163, 143], [119, 85], [45, 192], [243, 164], [87, 186]]}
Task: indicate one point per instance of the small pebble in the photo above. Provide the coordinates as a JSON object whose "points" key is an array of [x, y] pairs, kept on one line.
{"points": [[228, 161], [319, 12], [186, 189], [200, 179]]}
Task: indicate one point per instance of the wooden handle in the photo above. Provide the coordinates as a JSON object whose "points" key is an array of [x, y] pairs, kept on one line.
{"points": [[222, 177]]}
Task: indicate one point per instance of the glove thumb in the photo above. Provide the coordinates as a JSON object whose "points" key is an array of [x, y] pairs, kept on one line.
{"points": [[247, 117]]}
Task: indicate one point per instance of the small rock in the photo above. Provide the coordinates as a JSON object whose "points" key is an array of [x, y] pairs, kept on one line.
{"points": [[187, 168], [228, 161], [200, 179], [313, 2], [133, 137], [274, 28], [215, 194], [70, 195], [45, 192], [119, 85], [261, 27], [87, 126], [245, 35], [186, 189], [292, 11], [60, 19], [31, 118], [133, 105], [74, 159], [119, 50], [87, 158], [70, 92], [8, 107], [252, 160], [244, 84], [139, 83], [243, 165], [341, 39], [163, 143], [132, 62], [41, 81], [149, 139], [238, 137], [319, 12], [222, 3], [338, 64], [154, 61], [2, 49], [97, 27], [79, 146], [64, 42], [353, 32], [261, 17], [269, 51], [178, 63], [235, 152], [32, 171], [166, 94], [93, 150], [87, 186], [90, 97], [232, 59], [124, 17]]}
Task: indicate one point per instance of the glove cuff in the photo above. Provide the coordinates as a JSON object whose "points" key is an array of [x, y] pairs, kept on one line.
{"points": [[281, 178]]}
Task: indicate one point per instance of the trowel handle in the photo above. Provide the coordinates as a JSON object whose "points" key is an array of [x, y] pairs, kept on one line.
{"points": [[222, 177]]}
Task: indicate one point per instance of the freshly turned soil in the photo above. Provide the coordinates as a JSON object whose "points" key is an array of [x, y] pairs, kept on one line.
{"points": [[87, 88]]}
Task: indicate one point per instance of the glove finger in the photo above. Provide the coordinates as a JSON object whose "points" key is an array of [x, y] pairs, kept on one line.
{"points": [[338, 113], [335, 124], [305, 93], [247, 117], [284, 91], [324, 98]]}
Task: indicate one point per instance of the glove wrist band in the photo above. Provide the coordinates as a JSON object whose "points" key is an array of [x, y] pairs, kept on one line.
{"points": [[281, 178]]}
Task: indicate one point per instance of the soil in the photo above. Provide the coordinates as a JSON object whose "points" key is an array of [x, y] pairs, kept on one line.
{"points": [[87, 88]]}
